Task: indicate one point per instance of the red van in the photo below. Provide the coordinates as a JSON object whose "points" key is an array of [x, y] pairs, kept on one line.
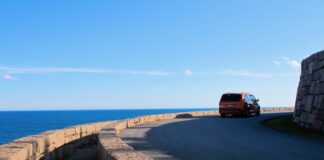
{"points": [[239, 104]]}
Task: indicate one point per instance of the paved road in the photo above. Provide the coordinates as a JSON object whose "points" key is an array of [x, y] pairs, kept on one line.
{"points": [[221, 138]]}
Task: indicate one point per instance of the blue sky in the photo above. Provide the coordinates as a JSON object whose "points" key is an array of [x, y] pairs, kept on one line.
{"points": [[153, 54]]}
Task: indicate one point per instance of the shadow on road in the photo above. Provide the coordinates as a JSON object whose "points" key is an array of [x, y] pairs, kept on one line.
{"points": [[221, 138]]}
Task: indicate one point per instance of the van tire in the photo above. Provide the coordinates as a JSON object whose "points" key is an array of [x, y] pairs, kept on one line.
{"points": [[247, 113], [223, 115], [258, 113]]}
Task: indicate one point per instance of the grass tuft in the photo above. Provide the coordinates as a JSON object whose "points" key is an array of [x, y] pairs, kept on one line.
{"points": [[286, 124]]}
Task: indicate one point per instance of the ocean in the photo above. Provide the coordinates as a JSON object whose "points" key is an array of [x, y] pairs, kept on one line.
{"points": [[17, 124]]}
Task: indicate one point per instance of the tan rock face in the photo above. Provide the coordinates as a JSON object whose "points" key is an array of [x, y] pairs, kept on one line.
{"points": [[309, 104]]}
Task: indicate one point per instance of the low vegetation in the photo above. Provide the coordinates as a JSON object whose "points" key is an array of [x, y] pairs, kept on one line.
{"points": [[286, 124]]}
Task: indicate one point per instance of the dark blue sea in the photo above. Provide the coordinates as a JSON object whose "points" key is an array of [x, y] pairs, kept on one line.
{"points": [[16, 124]]}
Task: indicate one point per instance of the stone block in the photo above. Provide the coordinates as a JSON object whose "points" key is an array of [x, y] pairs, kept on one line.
{"points": [[320, 55], [98, 127], [312, 88], [136, 121], [299, 96], [316, 124], [304, 64], [315, 111], [84, 131], [298, 113], [142, 120], [153, 118], [320, 115], [54, 139], [205, 113], [14, 151], [308, 103], [166, 116], [319, 88], [310, 68], [209, 113], [173, 115], [299, 104], [147, 118], [37, 143], [160, 116], [319, 101], [69, 131], [87, 129], [319, 65], [304, 117], [197, 114], [130, 123], [4, 155], [77, 129], [311, 118], [39, 156], [120, 126], [305, 90], [316, 76], [72, 138], [314, 57], [321, 75]]}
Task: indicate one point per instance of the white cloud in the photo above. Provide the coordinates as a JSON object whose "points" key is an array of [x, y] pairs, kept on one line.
{"points": [[9, 77], [231, 72], [149, 73], [292, 74], [246, 73], [277, 63], [290, 62], [188, 72], [294, 63], [285, 58], [48, 70]]}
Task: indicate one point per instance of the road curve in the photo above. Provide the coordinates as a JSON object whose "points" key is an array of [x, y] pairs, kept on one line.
{"points": [[221, 138]]}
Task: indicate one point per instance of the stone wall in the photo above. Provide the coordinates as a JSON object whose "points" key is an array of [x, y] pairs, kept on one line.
{"points": [[309, 108], [76, 142]]}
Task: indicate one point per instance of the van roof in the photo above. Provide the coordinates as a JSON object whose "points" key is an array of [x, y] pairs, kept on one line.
{"points": [[236, 93], [242, 93]]}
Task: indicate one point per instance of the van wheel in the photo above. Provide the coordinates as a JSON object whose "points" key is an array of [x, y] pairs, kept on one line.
{"points": [[247, 113], [258, 113], [223, 115]]}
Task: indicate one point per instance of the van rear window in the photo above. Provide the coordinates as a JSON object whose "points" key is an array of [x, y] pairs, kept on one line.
{"points": [[231, 97]]}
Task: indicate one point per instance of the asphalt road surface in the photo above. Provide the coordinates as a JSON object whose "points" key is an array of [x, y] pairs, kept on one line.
{"points": [[221, 138]]}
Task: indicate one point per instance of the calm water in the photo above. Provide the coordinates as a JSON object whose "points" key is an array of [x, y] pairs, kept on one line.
{"points": [[16, 124]]}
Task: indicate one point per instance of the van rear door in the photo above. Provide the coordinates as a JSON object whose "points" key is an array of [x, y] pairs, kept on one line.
{"points": [[231, 101]]}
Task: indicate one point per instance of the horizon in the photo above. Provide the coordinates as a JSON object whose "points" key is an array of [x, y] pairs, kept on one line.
{"points": [[152, 55], [104, 109]]}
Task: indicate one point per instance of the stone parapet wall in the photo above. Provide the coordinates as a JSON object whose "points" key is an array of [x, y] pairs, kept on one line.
{"points": [[54, 144], [309, 109], [111, 147]]}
